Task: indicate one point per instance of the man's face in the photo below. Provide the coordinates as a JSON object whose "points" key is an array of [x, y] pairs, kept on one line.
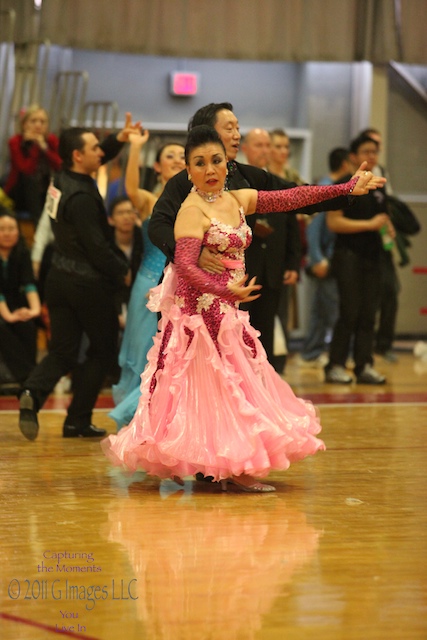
{"points": [[123, 216], [88, 159], [227, 127], [257, 148], [280, 149], [368, 151]]}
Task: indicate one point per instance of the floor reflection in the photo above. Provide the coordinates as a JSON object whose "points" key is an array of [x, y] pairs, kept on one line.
{"points": [[208, 566]]}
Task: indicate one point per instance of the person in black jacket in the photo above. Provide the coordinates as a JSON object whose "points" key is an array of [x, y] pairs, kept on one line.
{"points": [[86, 268], [274, 255], [356, 264], [19, 301], [220, 116]]}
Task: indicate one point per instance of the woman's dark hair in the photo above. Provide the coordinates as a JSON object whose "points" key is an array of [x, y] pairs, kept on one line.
{"points": [[200, 135], [70, 140], [207, 114]]}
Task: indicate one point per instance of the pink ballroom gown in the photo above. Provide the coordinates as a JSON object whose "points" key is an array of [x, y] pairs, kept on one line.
{"points": [[210, 401]]}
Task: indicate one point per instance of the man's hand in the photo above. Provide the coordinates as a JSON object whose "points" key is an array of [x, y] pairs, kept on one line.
{"points": [[321, 269], [262, 229], [290, 277], [123, 135], [381, 220], [210, 261]]}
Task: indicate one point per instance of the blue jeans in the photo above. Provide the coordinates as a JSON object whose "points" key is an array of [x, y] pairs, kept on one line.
{"points": [[323, 315]]}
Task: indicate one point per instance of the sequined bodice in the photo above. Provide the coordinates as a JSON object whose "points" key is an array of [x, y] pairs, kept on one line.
{"points": [[231, 242]]}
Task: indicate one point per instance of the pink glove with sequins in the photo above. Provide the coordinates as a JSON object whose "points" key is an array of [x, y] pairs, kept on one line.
{"points": [[300, 197], [187, 252]]}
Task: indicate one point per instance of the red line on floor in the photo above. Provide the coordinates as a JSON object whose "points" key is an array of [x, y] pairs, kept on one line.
{"points": [[60, 403], [45, 627], [363, 398]]}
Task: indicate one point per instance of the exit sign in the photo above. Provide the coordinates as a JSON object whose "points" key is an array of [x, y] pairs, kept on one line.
{"points": [[184, 83]]}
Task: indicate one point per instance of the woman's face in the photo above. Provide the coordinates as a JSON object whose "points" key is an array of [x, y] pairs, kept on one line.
{"points": [[9, 232], [280, 149], [171, 162], [208, 167], [37, 122]]}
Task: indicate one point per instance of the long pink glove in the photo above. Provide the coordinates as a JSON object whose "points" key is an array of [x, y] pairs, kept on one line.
{"points": [[187, 252], [300, 197]]}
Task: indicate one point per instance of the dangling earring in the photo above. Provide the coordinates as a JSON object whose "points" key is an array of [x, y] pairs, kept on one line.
{"points": [[189, 177]]}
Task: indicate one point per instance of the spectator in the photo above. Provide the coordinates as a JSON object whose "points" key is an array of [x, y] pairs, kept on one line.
{"points": [[34, 158], [356, 266], [273, 256], [279, 157], [123, 218], [19, 301], [322, 285]]}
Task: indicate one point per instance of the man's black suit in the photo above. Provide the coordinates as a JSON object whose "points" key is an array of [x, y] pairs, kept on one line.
{"points": [[267, 259]]}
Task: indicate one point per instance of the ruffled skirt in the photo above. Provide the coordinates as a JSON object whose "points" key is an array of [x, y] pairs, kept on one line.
{"points": [[220, 412]]}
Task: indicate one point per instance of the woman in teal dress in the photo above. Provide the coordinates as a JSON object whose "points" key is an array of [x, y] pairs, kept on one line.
{"points": [[141, 323]]}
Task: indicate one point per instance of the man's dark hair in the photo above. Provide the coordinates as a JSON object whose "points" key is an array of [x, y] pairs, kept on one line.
{"points": [[207, 114], [336, 157], [115, 202], [202, 134], [369, 131], [279, 132], [361, 139], [70, 140]]}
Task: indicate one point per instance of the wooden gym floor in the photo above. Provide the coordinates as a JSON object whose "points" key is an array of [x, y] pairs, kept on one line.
{"points": [[339, 552]]}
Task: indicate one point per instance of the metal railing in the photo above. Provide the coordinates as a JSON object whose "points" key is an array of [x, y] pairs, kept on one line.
{"points": [[68, 99], [101, 116]]}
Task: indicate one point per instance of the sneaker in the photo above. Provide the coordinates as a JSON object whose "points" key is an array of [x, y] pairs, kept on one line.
{"points": [[390, 356], [315, 363], [420, 350], [370, 376], [337, 375]]}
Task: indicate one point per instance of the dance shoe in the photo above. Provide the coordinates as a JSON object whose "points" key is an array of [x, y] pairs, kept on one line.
{"points": [[254, 487], [28, 423], [69, 431]]}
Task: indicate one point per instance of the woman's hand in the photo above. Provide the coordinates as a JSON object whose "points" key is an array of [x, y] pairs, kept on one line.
{"points": [[244, 293], [23, 314], [367, 181], [139, 138]]}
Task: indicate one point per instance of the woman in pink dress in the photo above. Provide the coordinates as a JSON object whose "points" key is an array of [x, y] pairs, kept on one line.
{"points": [[210, 401]]}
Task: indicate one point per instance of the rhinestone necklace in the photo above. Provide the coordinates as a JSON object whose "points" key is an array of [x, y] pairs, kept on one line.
{"points": [[208, 196]]}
